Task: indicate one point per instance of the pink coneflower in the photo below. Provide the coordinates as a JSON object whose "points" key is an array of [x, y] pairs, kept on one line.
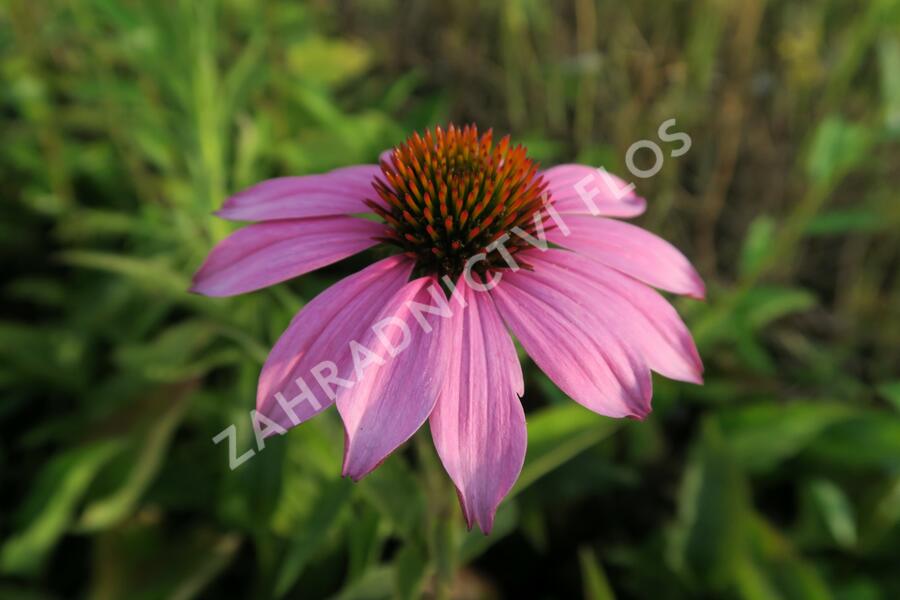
{"points": [[483, 243]]}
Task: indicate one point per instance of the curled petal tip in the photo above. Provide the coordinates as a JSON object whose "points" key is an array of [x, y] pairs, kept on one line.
{"points": [[200, 287], [196, 287], [696, 287], [699, 291], [346, 471], [485, 522], [640, 416], [355, 478], [230, 213]]}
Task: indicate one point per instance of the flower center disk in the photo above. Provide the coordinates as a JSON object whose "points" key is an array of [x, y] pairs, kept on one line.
{"points": [[448, 195]]}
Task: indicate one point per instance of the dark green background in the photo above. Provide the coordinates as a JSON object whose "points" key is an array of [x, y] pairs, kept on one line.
{"points": [[125, 123]]}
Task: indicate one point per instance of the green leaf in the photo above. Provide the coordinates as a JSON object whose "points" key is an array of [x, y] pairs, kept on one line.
{"points": [[763, 435], [152, 274], [767, 303], [140, 562], [708, 540], [327, 61], [836, 511], [312, 533], [146, 464], [475, 543], [558, 434], [848, 220], [890, 391], [779, 570], [395, 492], [757, 243], [837, 147], [753, 583], [51, 504], [93, 224], [889, 63], [870, 440], [178, 353], [365, 542], [880, 522], [377, 584], [593, 578], [410, 568]]}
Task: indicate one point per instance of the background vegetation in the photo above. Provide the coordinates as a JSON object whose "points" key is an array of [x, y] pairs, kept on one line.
{"points": [[125, 123]]}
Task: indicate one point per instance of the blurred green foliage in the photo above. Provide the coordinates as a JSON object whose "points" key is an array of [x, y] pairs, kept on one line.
{"points": [[126, 122]]}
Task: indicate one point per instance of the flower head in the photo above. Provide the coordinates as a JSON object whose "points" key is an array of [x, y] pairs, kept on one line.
{"points": [[486, 243], [448, 194]]}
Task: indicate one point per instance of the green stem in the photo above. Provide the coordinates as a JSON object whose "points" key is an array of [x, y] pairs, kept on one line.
{"points": [[439, 523]]}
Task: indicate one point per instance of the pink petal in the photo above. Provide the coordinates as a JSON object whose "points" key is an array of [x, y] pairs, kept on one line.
{"points": [[337, 192], [633, 251], [387, 406], [322, 331], [643, 317], [582, 190], [577, 347], [478, 424], [263, 254]]}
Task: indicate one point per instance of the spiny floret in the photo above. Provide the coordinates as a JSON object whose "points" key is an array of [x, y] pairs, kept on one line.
{"points": [[447, 195]]}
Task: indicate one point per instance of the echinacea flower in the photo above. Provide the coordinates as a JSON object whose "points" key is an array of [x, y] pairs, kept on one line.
{"points": [[484, 243]]}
